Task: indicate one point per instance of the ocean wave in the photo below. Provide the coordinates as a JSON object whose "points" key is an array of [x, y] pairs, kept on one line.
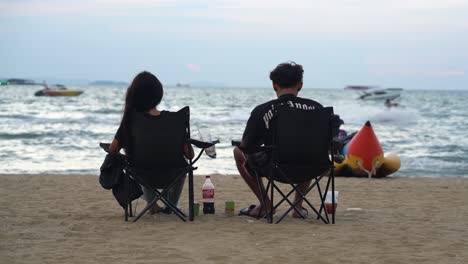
{"points": [[107, 111], [51, 136], [16, 116], [58, 135], [19, 120], [26, 135], [396, 116]]}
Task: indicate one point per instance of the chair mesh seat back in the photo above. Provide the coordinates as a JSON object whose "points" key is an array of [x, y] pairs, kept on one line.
{"points": [[157, 177], [302, 139], [158, 147]]}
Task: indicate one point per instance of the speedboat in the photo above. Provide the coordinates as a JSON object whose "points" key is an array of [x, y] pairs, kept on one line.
{"points": [[57, 90], [182, 85], [57, 87], [375, 93]]}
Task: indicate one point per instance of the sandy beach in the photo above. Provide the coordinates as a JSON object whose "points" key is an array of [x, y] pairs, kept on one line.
{"points": [[71, 219]]}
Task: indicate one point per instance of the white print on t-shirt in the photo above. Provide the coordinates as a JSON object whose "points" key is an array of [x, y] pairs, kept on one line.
{"points": [[269, 115]]}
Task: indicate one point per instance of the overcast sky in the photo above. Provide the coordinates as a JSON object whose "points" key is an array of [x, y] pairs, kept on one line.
{"points": [[413, 44]]}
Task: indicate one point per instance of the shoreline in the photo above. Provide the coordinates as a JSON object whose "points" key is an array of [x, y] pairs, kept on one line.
{"points": [[57, 219], [233, 175]]}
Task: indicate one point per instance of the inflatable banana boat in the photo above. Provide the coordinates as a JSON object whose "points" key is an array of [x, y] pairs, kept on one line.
{"points": [[364, 157]]}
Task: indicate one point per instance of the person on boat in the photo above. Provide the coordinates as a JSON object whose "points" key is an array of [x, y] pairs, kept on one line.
{"points": [[287, 83], [143, 97], [389, 103], [46, 87]]}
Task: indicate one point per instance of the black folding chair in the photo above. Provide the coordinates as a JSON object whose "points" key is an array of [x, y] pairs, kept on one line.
{"points": [[301, 151], [169, 136]]}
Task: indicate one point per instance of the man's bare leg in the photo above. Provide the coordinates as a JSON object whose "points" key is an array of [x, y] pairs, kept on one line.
{"points": [[251, 181], [154, 209], [302, 188]]}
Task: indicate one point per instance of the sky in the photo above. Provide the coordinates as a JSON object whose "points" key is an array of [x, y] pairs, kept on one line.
{"points": [[412, 44]]}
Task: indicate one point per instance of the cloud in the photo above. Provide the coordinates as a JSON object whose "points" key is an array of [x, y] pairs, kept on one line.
{"points": [[449, 73], [300, 16], [193, 67], [60, 8]]}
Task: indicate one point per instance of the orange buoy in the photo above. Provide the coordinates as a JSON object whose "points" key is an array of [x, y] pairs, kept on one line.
{"points": [[365, 155]]}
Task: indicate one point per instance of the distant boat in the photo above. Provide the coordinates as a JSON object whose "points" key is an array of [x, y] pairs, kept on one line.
{"points": [[182, 85], [57, 87], [17, 82], [57, 90], [375, 93], [107, 83]]}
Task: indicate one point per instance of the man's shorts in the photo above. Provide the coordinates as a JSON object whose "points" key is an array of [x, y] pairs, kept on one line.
{"points": [[258, 162]]}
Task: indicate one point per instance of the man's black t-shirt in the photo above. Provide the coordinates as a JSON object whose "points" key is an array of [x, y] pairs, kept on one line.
{"points": [[256, 132]]}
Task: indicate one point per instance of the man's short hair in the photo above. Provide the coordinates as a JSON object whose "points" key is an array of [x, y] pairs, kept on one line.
{"points": [[287, 74]]}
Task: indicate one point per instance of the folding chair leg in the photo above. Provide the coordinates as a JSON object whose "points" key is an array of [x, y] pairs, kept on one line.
{"points": [[332, 175], [130, 210], [270, 183], [322, 203], [159, 196], [191, 212], [174, 208], [147, 207], [322, 206], [126, 212], [292, 205], [303, 194], [127, 189], [263, 194]]}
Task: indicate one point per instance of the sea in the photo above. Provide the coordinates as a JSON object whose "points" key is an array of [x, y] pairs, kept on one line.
{"points": [[61, 135]]}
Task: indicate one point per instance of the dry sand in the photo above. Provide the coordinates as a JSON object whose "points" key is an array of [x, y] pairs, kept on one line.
{"points": [[71, 219]]}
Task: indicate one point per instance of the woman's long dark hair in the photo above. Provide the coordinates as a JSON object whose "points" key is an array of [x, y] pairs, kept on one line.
{"points": [[144, 93]]}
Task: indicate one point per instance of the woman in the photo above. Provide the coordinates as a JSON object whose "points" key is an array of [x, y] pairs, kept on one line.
{"points": [[143, 97]]}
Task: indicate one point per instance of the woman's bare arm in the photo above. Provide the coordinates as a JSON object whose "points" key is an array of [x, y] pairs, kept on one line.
{"points": [[188, 151], [115, 147]]}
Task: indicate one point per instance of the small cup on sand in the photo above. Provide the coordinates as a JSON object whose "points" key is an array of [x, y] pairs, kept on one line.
{"points": [[329, 203]]}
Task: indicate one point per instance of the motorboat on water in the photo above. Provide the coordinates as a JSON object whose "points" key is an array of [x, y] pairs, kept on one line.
{"points": [[57, 90], [375, 93], [182, 85], [57, 87]]}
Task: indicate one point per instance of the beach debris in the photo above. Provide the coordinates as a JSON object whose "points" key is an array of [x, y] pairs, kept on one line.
{"points": [[354, 209]]}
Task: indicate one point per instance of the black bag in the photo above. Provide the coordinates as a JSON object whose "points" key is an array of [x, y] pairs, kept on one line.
{"points": [[121, 193], [113, 177], [111, 171]]}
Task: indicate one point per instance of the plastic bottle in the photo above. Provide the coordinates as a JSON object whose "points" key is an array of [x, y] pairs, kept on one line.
{"points": [[211, 151], [208, 196]]}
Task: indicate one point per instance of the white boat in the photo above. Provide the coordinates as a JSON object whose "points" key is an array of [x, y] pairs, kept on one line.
{"points": [[182, 85], [57, 87], [375, 93]]}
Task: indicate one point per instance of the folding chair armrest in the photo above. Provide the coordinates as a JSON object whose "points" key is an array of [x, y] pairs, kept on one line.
{"points": [[105, 146], [202, 144], [268, 148]]}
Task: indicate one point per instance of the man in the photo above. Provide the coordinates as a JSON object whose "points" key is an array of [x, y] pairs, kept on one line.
{"points": [[287, 82]]}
